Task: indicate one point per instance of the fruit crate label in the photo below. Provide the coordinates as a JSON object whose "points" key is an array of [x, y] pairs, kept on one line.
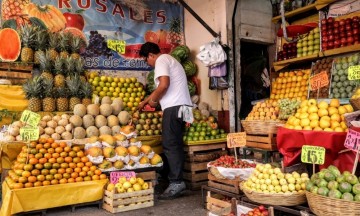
{"points": [[114, 176], [30, 118], [236, 139], [319, 80], [352, 140], [354, 72], [117, 45], [29, 133], [313, 154]]}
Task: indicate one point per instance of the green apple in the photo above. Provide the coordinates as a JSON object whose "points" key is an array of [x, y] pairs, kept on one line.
{"points": [[310, 48], [298, 45], [304, 43], [310, 42]]}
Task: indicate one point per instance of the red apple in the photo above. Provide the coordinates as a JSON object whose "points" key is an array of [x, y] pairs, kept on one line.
{"points": [[74, 20], [323, 28], [342, 22], [349, 33], [323, 22], [348, 21], [336, 24], [330, 45], [348, 27], [350, 40]]}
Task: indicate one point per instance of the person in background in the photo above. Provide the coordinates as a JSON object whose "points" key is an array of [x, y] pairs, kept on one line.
{"points": [[173, 95]]}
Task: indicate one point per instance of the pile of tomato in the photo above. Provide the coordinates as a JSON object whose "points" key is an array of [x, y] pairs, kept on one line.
{"points": [[228, 161]]}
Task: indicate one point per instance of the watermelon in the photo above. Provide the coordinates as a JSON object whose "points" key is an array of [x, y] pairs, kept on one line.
{"points": [[181, 52], [189, 67], [191, 87], [10, 45]]}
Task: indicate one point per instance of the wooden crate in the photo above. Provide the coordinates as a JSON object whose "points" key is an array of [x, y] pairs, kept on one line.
{"points": [[228, 185], [148, 176], [16, 72], [266, 141], [219, 207], [122, 202]]}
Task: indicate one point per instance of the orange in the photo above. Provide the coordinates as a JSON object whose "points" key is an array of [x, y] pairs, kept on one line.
{"points": [[46, 182], [54, 182]]}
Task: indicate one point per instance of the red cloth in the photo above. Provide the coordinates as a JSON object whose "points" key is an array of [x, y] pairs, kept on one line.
{"points": [[345, 161], [290, 142]]}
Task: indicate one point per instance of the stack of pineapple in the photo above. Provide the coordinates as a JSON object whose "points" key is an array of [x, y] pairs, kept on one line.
{"points": [[62, 83]]}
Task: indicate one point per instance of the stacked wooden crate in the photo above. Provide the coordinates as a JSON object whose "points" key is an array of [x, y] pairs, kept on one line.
{"points": [[17, 73]]}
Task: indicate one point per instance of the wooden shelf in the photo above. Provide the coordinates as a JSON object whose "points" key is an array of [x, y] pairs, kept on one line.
{"points": [[295, 12], [281, 64], [341, 50], [16, 66]]}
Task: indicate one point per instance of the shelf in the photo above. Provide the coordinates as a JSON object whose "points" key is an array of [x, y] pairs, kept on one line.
{"points": [[341, 50], [281, 64], [295, 12], [342, 100]]}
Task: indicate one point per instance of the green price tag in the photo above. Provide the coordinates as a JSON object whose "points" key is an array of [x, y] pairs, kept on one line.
{"points": [[354, 72], [313, 154], [29, 133], [117, 45], [30, 118]]}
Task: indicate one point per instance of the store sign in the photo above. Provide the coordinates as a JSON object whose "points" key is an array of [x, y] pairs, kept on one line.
{"points": [[114, 176], [236, 140], [319, 80], [30, 118], [343, 7], [117, 45], [29, 133], [354, 72], [313, 154], [352, 140]]}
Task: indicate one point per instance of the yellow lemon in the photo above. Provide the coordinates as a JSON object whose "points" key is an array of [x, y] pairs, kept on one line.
{"points": [[334, 124], [314, 123], [313, 109], [307, 128], [304, 115], [298, 127], [296, 122], [323, 112], [312, 102], [349, 108], [304, 122], [313, 116], [335, 117], [338, 129], [317, 129], [342, 110], [328, 129], [324, 123], [334, 102], [323, 105]]}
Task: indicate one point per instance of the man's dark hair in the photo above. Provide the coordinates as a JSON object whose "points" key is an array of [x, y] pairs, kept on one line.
{"points": [[147, 48]]}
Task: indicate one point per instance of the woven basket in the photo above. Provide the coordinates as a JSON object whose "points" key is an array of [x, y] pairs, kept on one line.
{"points": [[355, 103], [261, 127], [291, 199], [322, 205]]}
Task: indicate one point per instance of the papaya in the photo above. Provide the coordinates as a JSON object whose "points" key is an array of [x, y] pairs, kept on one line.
{"points": [[9, 52]]}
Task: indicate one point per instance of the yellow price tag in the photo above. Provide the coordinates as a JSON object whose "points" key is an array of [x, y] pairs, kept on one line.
{"points": [[236, 139], [354, 72], [313, 154], [30, 118], [29, 133], [117, 45]]}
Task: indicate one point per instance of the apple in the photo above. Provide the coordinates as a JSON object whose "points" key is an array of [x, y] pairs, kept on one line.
{"points": [[323, 22], [75, 20], [350, 40], [342, 22], [336, 24]]}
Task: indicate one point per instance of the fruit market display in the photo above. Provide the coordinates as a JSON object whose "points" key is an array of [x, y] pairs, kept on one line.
{"points": [[332, 183], [324, 64], [147, 123], [289, 51], [258, 211], [45, 162], [292, 84], [337, 33], [230, 162], [341, 86], [320, 116], [287, 108], [268, 110], [309, 45], [125, 185], [267, 179]]}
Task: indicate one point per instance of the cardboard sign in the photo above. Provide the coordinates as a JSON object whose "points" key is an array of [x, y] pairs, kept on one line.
{"points": [[114, 176], [29, 133], [30, 118], [236, 139], [313, 154], [352, 140], [319, 80], [354, 72], [117, 45]]}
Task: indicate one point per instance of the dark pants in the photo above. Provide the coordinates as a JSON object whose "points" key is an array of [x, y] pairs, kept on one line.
{"points": [[172, 141]]}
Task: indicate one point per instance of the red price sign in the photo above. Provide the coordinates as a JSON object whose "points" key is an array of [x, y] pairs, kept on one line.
{"points": [[319, 80], [114, 176], [352, 140]]}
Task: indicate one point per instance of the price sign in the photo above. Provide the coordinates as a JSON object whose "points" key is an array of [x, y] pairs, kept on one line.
{"points": [[313, 154], [236, 139], [29, 133], [117, 45], [354, 72], [30, 118], [319, 80], [352, 140], [114, 176]]}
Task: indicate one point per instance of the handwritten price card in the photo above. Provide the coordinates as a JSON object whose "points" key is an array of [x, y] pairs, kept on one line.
{"points": [[352, 140], [114, 176], [354, 72], [29, 133], [319, 80], [236, 139], [117, 45], [30, 118], [313, 154]]}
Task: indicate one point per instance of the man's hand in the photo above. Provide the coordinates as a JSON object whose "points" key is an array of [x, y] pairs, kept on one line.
{"points": [[141, 105]]}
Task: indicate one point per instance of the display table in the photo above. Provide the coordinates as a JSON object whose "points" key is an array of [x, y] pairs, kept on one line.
{"points": [[45, 197], [8, 153]]}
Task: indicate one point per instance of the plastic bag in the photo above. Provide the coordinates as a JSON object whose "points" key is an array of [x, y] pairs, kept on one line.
{"points": [[218, 83], [218, 70], [212, 53]]}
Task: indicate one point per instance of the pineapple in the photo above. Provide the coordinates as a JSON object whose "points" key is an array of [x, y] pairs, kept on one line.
{"points": [[33, 92], [69, 66], [62, 102], [40, 43], [53, 43], [86, 91], [75, 45], [27, 34], [10, 9], [59, 79], [48, 102], [79, 69], [73, 85], [175, 35], [46, 66], [64, 44]]}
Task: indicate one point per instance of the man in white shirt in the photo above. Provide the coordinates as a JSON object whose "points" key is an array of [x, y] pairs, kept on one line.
{"points": [[172, 93]]}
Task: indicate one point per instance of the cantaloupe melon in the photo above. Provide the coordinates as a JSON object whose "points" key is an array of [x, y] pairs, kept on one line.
{"points": [[10, 45]]}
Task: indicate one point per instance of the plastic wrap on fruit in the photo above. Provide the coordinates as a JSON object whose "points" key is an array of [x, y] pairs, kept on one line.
{"points": [[151, 155], [123, 143], [136, 158], [106, 144], [96, 160], [113, 159], [95, 144], [138, 144]]}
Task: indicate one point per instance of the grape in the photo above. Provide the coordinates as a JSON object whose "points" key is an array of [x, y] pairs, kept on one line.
{"points": [[287, 108], [97, 46]]}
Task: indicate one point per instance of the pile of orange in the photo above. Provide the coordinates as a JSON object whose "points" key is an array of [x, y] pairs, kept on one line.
{"points": [[46, 162], [293, 84]]}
